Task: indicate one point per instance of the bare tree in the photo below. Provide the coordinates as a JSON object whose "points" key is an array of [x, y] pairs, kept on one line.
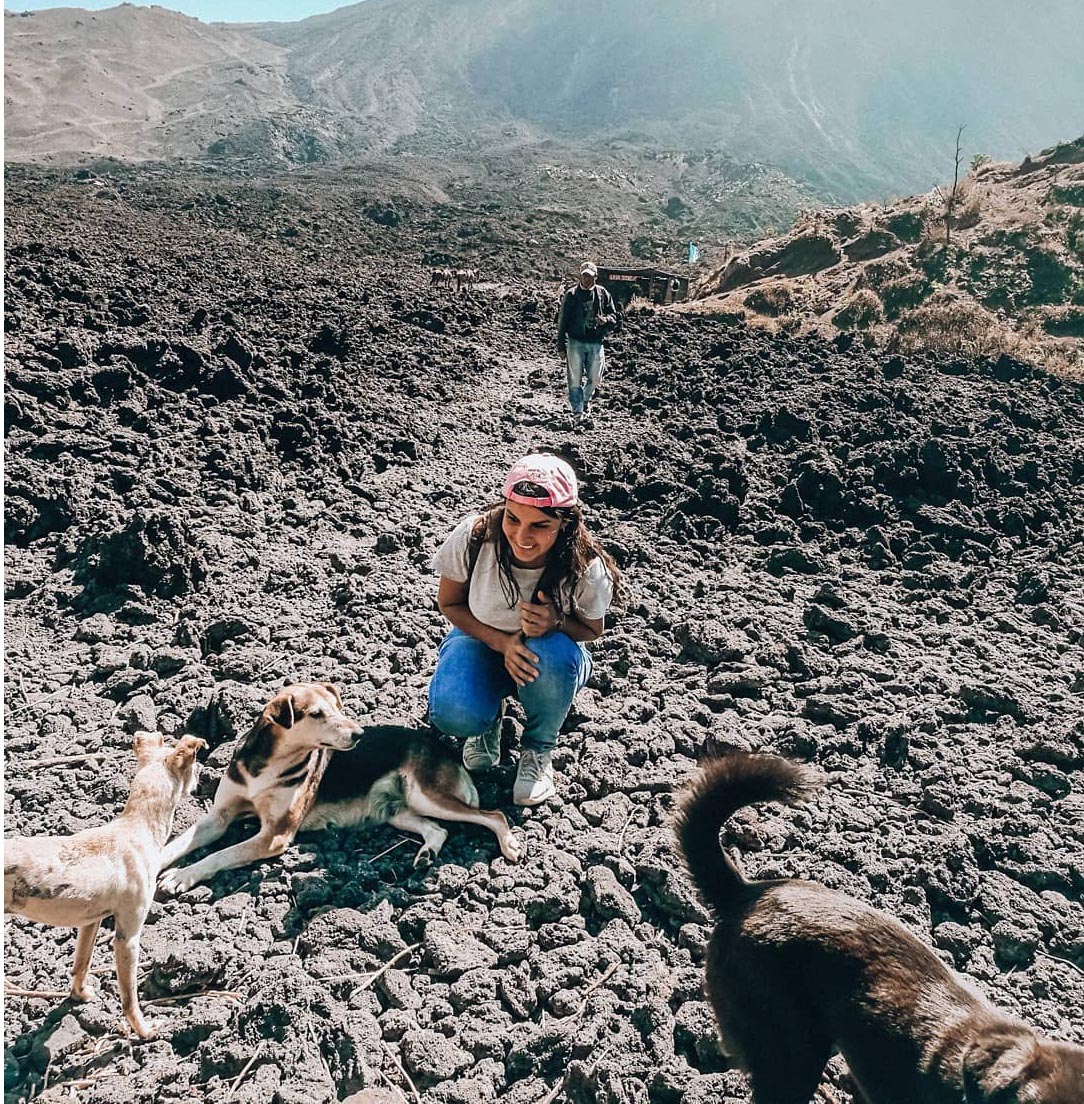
{"points": [[953, 197]]}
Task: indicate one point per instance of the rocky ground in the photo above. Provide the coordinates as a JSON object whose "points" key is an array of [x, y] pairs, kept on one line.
{"points": [[516, 212], [230, 453]]}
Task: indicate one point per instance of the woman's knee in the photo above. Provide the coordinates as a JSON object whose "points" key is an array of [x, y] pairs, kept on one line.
{"points": [[459, 702], [454, 714], [559, 656]]}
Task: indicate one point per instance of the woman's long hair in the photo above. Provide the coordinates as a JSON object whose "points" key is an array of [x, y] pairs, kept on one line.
{"points": [[566, 561]]}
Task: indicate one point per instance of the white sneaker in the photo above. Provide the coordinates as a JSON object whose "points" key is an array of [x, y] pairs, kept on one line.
{"points": [[534, 778], [484, 750]]}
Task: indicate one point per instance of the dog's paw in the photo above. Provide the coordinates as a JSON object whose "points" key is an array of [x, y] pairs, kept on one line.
{"points": [[176, 881], [423, 860], [167, 859], [142, 1029], [511, 847], [88, 991]]}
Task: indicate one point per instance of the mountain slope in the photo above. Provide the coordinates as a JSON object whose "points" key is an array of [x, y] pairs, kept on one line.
{"points": [[132, 82], [860, 98]]}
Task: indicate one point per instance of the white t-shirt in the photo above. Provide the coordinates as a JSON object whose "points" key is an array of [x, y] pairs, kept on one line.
{"points": [[591, 596]]}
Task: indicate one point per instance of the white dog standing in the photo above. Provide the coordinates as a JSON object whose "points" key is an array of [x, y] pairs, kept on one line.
{"points": [[77, 881]]}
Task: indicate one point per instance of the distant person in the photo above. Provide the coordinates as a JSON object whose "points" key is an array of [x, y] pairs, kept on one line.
{"points": [[526, 588], [586, 318]]}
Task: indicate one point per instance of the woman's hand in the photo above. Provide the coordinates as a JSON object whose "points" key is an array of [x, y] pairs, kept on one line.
{"points": [[519, 661], [538, 618]]}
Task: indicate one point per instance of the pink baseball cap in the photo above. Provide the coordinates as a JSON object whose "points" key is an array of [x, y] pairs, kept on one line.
{"points": [[551, 475]]}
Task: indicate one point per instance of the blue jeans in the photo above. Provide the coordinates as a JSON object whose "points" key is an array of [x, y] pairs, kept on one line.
{"points": [[470, 683], [585, 363]]}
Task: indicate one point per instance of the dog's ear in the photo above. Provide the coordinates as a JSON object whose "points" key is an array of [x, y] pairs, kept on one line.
{"points": [[281, 711], [185, 751], [333, 690], [145, 742], [994, 1068]]}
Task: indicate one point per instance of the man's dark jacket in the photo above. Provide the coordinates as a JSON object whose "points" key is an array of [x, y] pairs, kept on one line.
{"points": [[586, 316]]}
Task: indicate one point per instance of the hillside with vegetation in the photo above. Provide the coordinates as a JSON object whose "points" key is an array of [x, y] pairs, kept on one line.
{"points": [[991, 266]]}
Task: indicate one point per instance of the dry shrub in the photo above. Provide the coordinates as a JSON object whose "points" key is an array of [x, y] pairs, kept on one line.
{"points": [[954, 326], [861, 311], [882, 272], [958, 327], [808, 220], [904, 294], [771, 299], [1066, 320], [933, 234], [1059, 361], [968, 210]]}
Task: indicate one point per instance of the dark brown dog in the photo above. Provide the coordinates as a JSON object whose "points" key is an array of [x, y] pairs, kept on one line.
{"points": [[796, 971]]}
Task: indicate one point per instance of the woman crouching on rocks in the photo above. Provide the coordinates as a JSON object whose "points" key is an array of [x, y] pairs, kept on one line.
{"points": [[526, 588]]}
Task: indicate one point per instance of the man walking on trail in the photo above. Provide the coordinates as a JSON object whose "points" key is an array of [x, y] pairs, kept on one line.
{"points": [[587, 317]]}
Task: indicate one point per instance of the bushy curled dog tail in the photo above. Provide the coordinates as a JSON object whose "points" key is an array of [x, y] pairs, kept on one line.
{"points": [[724, 785]]}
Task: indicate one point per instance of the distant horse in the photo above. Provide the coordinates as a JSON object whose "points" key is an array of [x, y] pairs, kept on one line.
{"points": [[464, 279], [442, 277]]}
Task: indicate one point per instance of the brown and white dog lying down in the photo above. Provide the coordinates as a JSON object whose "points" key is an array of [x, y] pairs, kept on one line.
{"points": [[796, 971], [306, 765], [77, 881]]}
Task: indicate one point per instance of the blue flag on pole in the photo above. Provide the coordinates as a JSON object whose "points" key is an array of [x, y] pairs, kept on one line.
{"points": [[694, 253]]}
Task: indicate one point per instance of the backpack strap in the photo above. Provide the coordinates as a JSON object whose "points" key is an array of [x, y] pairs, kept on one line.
{"points": [[474, 545], [478, 534]]}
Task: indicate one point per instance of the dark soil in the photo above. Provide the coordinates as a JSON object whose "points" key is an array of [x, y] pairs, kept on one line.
{"points": [[230, 454]]}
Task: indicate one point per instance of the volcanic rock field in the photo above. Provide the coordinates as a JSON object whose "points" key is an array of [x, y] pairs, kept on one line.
{"points": [[231, 450]]}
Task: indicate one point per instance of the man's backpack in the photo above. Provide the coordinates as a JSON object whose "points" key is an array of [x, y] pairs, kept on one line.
{"points": [[561, 296], [609, 321]]}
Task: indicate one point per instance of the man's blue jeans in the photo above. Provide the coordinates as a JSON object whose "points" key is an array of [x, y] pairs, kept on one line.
{"points": [[470, 682], [585, 363]]}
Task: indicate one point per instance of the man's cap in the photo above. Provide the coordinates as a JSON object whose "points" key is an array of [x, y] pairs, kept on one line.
{"points": [[554, 482], [588, 268]]}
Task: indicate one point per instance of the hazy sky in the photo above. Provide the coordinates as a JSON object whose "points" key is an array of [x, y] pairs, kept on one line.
{"points": [[225, 11]]}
